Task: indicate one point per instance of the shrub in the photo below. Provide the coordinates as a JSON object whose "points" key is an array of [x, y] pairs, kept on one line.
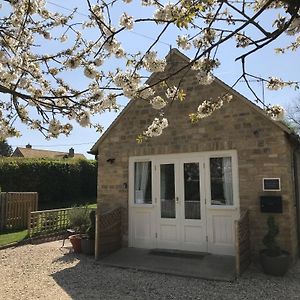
{"points": [[269, 239], [79, 218], [91, 230], [59, 183]]}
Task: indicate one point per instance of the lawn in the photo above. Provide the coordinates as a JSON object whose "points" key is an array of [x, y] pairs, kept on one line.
{"points": [[11, 237], [92, 205]]}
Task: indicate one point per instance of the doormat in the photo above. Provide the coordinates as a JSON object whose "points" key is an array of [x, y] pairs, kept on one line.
{"points": [[177, 253]]}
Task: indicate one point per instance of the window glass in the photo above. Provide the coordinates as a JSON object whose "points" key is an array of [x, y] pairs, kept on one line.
{"points": [[167, 191], [221, 181], [142, 182], [191, 191]]}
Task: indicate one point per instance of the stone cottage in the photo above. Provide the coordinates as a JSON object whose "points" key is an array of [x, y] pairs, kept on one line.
{"points": [[186, 188]]}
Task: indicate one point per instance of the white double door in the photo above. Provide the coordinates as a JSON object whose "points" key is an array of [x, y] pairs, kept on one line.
{"points": [[180, 208]]}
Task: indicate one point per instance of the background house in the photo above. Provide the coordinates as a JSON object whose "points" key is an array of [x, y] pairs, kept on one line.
{"points": [[28, 152], [186, 188]]}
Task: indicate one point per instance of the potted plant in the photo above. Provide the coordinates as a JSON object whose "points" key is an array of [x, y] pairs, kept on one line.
{"points": [[88, 240], [274, 260], [79, 221]]}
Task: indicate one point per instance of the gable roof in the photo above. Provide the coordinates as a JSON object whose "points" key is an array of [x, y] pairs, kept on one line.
{"points": [[175, 52], [39, 153]]}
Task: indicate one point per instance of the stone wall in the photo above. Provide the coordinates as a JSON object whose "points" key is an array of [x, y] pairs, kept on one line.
{"points": [[263, 150]]}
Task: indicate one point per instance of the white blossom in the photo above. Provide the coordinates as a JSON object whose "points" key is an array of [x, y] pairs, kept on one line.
{"points": [[183, 42], [61, 91], [119, 53], [112, 46], [147, 2], [54, 127], [275, 83], [242, 40], [44, 13], [63, 38], [126, 21], [90, 72], [205, 78], [153, 64], [172, 92], [145, 91], [97, 11], [73, 62], [156, 128], [35, 63], [158, 102], [276, 112], [3, 57], [128, 82], [47, 35], [207, 107], [107, 102], [98, 61], [168, 12], [205, 64], [83, 119]]}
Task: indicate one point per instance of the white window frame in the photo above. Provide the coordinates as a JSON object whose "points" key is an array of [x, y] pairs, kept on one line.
{"points": [[235, 179], [271, 190], [205, 156], [132, 161]]}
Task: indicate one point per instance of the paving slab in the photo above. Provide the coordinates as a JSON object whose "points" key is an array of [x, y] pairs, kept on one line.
{"points": [[180, 263]]}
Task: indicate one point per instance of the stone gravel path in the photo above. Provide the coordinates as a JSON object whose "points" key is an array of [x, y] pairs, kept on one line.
{"points": [[46, 272]]}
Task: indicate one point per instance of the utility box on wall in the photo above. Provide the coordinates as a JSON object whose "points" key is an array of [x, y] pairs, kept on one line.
{"points": [[271, 204]]}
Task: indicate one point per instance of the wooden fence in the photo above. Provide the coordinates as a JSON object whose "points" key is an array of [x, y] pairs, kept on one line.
{"points": [[242, 237], [110, 238], [47, 225], [44, 223], [14, 208]]}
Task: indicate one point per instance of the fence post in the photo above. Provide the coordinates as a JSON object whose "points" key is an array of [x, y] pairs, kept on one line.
{"points": [[36, 202], [29, 221], [98, 234], [2, 211], [243, 253], [237, 248]]}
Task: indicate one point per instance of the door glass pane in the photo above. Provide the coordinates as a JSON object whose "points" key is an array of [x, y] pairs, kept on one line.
{"points": [[221, 181], [167, 191], [191, 191], [142, 183]]}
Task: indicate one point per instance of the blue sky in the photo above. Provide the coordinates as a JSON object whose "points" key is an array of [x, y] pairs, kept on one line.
{"points": [[264, 63]]}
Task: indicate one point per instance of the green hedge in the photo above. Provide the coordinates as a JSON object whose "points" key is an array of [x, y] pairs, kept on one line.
{"points": [[60, 183]]}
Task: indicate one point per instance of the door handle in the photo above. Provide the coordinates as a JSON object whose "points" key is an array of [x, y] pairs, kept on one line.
{"points": [[177, 200]]}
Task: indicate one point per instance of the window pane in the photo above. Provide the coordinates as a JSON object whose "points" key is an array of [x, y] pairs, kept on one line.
{"points": [[167, 191], [221, 181], [191, 191], [142, 183]]}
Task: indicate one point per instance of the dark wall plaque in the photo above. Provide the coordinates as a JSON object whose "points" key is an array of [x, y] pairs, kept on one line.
{"points": [[271, 184], [271, 204]]}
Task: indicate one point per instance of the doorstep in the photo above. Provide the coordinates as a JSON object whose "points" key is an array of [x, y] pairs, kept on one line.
{"points": [[173, 262]]}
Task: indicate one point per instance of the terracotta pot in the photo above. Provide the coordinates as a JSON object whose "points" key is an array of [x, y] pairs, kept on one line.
{"points": [[275, 265], [75, 240]]}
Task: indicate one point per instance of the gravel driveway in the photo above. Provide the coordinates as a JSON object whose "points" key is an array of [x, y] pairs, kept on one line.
{"points": [[46, 272]]}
